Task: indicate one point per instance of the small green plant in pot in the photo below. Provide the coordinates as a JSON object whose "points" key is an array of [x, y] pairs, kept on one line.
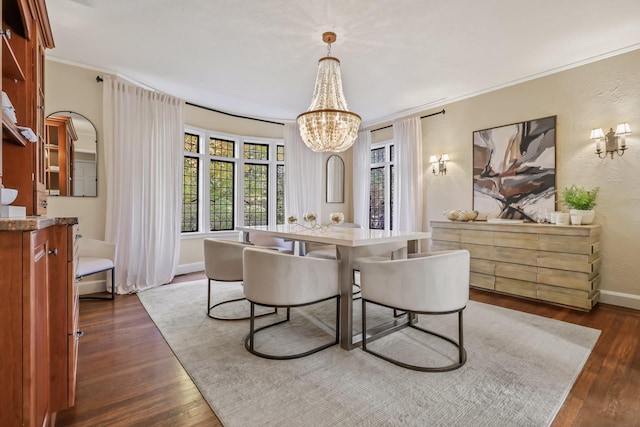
{"points": [[580, 201]]}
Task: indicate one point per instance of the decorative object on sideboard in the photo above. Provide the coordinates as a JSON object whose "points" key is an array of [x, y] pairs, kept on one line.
{"points": [[580, 201], [460, 215], [614, 141], [441, 164], [311, 220], [328, 125], [514, 169]]}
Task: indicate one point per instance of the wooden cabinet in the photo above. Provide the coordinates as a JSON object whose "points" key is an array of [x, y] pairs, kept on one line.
{"points": [[61, 136], [38, 309], [27, 34], [558, 264], [64, 319]]}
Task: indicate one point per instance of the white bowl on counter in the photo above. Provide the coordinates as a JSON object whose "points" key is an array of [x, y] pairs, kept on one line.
{"points": [[7, 195]]}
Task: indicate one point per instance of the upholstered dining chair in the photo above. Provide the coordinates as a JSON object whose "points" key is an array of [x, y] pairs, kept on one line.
{"points": [[429, 283], [391, 250], [270, 242], [324, 251], [223, 263], [273, 279], [96, 256]]}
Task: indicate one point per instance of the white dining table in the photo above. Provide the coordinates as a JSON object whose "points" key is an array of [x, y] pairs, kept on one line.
{"points": [[351, 243]]}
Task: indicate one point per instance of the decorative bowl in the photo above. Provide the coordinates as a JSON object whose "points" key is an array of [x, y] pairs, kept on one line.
{"points": [[460, 215], [8, 195]]}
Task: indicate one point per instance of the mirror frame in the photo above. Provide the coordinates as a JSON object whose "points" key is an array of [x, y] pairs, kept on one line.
{"points": [[95, 130], [335, 179]]}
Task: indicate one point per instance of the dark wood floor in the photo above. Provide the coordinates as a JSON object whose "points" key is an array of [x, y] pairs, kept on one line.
{"points": [[128, 375]]}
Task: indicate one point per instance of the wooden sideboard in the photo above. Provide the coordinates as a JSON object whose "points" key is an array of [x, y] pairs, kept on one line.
{"points": [[38, 319], [557, 264]]}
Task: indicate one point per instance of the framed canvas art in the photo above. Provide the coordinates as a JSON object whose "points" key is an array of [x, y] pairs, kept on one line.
{"points": [[514, 169]]}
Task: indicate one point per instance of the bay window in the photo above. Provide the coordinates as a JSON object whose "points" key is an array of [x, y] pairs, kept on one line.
{"points": [[245, 184]]}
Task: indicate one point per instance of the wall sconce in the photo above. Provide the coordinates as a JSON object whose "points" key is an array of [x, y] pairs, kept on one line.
{"points": [[614, 141], [441, 163]]}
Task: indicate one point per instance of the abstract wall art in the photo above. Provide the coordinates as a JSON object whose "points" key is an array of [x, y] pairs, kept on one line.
{"points": [[514, 169]]}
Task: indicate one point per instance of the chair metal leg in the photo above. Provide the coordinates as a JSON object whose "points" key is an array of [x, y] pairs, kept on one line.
{"points": [[113, 283], [250, 338], [462, 353], [113, 286], [353, 281], [210, 307]]}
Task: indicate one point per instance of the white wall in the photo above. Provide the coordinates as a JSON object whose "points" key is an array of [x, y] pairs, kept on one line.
{"points": [[69, 88], [74, 88], [601, 94]]}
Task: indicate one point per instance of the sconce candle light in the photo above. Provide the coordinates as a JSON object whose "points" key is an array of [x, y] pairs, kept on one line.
{"points": [[441, 164], [614, 141]]}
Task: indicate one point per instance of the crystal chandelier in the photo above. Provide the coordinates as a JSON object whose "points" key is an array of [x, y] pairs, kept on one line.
{"points": [[328, 125]]}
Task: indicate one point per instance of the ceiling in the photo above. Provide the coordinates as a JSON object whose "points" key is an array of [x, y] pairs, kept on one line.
{"points": [[259, 58]]}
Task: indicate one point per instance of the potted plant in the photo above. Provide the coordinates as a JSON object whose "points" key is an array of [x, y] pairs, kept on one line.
{"points": [[580, 201]]}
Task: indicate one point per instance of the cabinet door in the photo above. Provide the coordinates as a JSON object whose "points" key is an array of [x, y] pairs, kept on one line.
{"points": [[40, 190], [36, 370], [11, 328], [61, 313]]}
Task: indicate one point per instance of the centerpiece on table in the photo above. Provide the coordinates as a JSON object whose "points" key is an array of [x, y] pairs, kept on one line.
{"points": [[311, 220]]}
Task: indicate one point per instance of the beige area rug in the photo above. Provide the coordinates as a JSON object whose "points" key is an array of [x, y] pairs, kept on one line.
{"points": [[519, 371]]}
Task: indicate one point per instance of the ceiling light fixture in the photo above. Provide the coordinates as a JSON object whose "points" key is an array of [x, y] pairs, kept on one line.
{"points": [[328, 125]]}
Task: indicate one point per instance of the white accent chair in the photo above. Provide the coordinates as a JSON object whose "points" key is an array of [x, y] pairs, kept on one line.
{"points": [[395, 251], [273, 279], [223, 263], [426, 283], [324, 251], [96, 256]]}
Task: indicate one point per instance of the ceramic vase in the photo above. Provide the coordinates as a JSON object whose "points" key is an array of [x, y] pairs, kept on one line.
{"points": [[587, 216]]}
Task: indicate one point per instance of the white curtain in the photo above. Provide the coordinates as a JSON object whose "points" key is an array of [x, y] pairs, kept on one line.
{"points": [[361, 178], [303, 175], [407, 206], [143, 136]]}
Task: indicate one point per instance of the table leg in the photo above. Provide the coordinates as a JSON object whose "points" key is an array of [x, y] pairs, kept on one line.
{"points": [[345, 255]]}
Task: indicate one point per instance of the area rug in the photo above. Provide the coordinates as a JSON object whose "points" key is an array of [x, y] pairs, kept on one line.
{"points": [[519, 371]]}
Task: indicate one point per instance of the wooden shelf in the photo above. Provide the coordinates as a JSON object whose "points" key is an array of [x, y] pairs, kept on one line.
{"points": [[10, 67], [11, 131]]}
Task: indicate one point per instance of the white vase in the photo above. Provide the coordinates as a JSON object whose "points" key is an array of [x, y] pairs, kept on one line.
{"points": [[587, 215]]}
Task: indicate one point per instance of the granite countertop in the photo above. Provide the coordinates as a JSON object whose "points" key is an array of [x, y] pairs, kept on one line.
{"points": [[34, 223]]}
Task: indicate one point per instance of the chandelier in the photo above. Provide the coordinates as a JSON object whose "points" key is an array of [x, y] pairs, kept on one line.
{"points": [[328, 125]]}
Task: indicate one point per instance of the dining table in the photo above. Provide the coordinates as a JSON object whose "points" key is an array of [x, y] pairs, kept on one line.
{"points": [[350, 243]]}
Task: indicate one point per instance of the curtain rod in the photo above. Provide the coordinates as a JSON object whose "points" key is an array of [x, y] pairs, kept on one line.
{"points": [[234, 115], [100, 80], [422, 117]]}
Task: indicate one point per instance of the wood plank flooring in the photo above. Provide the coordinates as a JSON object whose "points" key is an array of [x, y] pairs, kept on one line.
{"points": [[128, 375]]}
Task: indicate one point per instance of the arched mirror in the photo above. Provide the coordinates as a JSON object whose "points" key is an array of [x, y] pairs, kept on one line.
{"points": [[335, 180], [71, 155]]}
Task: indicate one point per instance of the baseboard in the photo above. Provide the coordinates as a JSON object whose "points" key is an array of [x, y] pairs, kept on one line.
{"points": [[189, 268], [620, 299], [91, 286]]}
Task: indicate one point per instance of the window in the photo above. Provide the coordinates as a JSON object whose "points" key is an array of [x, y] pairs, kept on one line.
{"points": [[190, 181], [245, 182], [382, 186]]}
